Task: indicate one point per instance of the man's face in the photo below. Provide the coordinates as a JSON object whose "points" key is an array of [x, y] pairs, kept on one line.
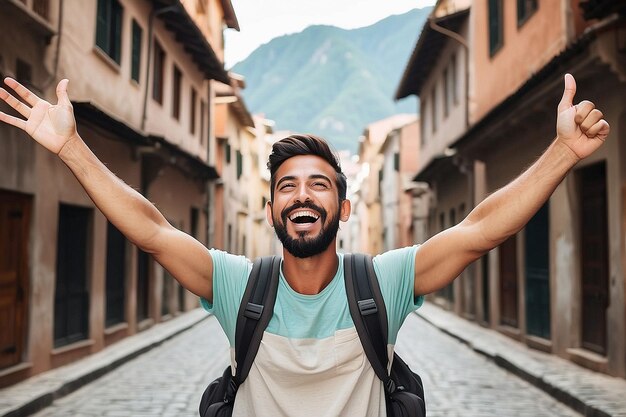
{"points": [[306, 211]]}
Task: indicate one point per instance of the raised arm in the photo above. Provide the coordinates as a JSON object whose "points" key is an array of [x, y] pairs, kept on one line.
{"points": [[580, 131], [54, 127]]}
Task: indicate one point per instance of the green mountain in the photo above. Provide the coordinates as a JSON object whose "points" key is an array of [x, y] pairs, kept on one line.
{"points": [[331, 81]]}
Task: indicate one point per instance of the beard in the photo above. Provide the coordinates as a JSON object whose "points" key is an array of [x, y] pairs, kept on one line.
{"points": [[303, 247]]}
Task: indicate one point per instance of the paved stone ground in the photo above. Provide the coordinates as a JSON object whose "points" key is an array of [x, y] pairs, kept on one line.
{"points": [[168, 380], [460, 382]]}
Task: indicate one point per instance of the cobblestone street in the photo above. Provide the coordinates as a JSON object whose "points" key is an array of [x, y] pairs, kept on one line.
{"points": [[168, 380]]}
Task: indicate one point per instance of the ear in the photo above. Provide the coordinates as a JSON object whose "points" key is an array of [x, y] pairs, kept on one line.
{"points": [[268, 213], [346, 209]]}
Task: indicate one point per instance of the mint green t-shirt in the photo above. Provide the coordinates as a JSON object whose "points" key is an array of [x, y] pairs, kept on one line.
{"points": [[310, 361], [300, 316]]}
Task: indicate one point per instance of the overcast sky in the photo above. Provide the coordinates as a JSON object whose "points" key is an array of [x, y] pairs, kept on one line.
{"points": [[262, 20]]}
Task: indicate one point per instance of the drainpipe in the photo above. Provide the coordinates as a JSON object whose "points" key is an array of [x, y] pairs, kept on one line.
{"points": [[153, 14], [57, 51], [453, 35]]}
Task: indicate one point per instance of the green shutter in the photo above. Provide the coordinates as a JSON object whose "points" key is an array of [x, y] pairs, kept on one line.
{"points": [[239, 164]]}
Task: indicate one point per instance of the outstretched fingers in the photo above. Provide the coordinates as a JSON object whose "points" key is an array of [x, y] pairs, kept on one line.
{"points": [[22, 91], [20, 107], [19, 123]]}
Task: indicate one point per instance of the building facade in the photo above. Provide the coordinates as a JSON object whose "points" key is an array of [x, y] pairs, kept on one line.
{"points": [[559, 284], [140, 83]]}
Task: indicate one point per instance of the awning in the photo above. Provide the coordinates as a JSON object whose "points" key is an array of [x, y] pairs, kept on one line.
{"points": [[188, 163], [439, 164]]}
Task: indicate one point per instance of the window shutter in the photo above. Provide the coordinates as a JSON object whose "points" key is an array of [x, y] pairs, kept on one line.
{"points": [[102, 25], [116, 28]]}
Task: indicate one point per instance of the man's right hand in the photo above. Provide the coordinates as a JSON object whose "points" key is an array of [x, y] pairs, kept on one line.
{"points": [[54, 127], [50, 125]]}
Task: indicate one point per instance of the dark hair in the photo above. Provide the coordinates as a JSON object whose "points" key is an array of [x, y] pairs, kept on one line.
{"points": [[295, 145]]}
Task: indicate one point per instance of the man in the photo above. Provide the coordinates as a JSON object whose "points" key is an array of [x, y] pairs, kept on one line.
{"points": [[310, 361]]}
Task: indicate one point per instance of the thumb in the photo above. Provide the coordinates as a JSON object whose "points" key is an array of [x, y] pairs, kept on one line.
{"points": [[569, 92], [62, 92]]}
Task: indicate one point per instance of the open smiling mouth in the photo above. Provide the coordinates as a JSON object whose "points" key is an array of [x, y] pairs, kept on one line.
{"points": [[304, 217]]}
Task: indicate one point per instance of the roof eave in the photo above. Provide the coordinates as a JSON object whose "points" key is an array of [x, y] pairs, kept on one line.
{"points": [[427, 39], [191, 37]]}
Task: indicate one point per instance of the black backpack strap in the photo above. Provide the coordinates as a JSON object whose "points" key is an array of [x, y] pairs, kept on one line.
{"points": [[255, 312], [368, 312]]}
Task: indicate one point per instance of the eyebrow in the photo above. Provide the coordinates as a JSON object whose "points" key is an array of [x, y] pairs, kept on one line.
{"points": [[311, 177]]}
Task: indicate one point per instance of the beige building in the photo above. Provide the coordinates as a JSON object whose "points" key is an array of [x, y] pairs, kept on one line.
{"points": [[140, 76], [436, 72], [264, 241], [400, 152], [235, 133], [559, 284], [371, 160]]}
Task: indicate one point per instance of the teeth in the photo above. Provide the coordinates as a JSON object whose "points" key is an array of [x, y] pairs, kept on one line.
{"points": [[302, 214]]}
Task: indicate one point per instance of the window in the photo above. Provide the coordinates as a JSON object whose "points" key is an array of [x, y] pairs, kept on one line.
{"points": [[433, 109], [227, 152], [109, 28], [42, 8], [192, 112], [495, 26], [396, 161], [525, 9], [135, 58], [446, 92], [158, 73], [115, 276], [176, 90], [71, 296]]}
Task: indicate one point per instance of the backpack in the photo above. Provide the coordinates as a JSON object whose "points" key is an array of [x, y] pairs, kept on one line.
{"points": [[404, 393]]}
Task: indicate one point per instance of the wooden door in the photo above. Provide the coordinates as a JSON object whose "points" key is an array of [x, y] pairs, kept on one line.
{"points": [[15, 212], [594, 257], [115, 277], [508, 282], [537, 262], [143, 285], [71, 297]]}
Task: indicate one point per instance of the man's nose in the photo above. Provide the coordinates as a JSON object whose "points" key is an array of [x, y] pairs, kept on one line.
{"points": [[302, 194]]}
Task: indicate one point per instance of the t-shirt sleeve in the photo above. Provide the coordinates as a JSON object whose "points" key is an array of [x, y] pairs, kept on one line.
{"points": [[230, 275], [395, 270]]}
